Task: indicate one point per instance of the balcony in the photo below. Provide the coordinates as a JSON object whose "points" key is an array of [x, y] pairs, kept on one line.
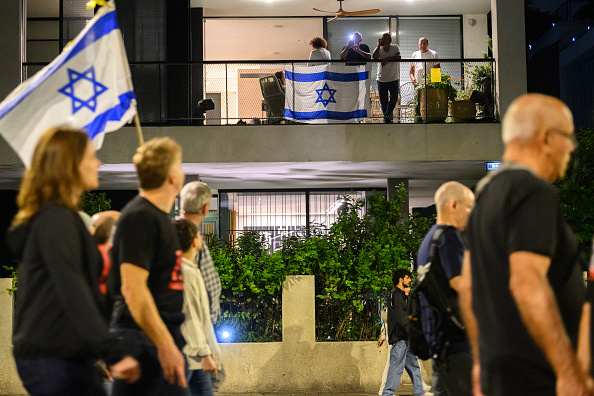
{"points": [[238, 92]]}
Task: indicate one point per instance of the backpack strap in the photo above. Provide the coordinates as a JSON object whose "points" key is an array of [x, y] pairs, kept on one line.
{"points": [[422, 271]]}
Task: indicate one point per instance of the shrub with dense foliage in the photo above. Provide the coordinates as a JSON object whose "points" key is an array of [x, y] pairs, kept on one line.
{"points": [[576, 191], [353, 263]]}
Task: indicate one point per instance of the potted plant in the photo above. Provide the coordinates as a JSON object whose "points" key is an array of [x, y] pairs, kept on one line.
{"points": [[431, 99], [462, 109]]}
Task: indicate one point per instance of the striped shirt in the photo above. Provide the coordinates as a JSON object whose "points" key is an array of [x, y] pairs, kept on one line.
{"points": [[212, 282]]}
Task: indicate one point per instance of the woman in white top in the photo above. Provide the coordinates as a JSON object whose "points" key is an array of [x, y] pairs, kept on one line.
{"points": [[319, 51]]}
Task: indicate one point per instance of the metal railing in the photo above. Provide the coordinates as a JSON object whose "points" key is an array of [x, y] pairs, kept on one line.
{"points": [[229, 93]]}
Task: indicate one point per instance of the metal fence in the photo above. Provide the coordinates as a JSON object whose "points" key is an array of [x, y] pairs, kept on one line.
{"points": [[226, 93]]}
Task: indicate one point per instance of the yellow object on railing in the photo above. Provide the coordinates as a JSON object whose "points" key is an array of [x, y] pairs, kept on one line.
{"points": [[94, 3], [436, 74]]}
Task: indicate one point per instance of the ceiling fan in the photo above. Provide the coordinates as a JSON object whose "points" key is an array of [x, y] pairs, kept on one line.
{"points": [[343, 13]]}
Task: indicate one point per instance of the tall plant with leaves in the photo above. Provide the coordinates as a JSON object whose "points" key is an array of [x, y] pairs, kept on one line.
{"points": [[353, 263], [576, 190]]}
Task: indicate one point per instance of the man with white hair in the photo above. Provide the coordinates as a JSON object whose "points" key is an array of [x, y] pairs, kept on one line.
{"points": [[522, 288], [452, 365], [194, 206]]}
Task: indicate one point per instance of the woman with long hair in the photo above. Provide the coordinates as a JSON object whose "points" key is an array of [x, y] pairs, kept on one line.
{"points": [[58, 329]]}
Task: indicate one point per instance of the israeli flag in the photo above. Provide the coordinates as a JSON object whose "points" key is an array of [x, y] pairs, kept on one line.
{"points": [[88, 86], [328, 93]]}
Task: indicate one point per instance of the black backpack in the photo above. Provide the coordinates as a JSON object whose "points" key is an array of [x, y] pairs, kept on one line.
{"points": [[432, 292]]}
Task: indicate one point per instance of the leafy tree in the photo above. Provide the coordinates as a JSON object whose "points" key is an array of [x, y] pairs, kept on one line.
{"points": [[353, 263], [576, 191]]}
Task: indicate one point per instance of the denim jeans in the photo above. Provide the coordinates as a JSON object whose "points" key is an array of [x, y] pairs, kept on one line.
{"points": [[401, 358], [388, 106], [152, 382], [452, 375], [60, 377], [200, 383]]}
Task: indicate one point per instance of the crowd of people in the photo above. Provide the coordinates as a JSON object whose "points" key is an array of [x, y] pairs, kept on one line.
{"points": [[388, 74], [134, 296], [136, 301]]}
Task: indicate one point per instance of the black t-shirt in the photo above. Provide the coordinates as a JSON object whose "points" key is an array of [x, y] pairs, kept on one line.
{"points": [[145, 237], [353, 55], [518, 211]]}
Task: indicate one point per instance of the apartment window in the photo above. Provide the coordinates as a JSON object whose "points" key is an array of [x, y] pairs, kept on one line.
{"points": [[280, 214]]}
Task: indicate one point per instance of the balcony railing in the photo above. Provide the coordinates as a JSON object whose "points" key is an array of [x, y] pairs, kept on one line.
{"points": [[229, 93]]}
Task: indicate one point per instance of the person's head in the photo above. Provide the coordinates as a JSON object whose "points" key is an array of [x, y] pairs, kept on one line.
{"points": [[423, 44], [103, 231], [158, 162], [357, 38], [318, 42], [64, 165], [401, 278], [538, 130], [386, 39], [195, 199], [281, 76], [453, 202], [187, 233]]}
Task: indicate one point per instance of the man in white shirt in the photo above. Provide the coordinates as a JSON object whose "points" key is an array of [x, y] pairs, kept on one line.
{"points": [[417, 68], [388, 74]]}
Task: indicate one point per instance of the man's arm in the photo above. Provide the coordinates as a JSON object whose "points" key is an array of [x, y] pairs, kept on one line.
{"points": [[144, 311], [364, 54], [463, 285], [412, 74], [376, 52], [344, 53], [537, 305]]}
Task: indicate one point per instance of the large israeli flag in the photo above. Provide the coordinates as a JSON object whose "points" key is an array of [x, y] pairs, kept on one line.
{"points": [[328, 93], [88, 86]]}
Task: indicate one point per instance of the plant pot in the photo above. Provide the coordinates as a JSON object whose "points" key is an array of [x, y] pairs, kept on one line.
{"points": [[462, 110], [433, 104]]}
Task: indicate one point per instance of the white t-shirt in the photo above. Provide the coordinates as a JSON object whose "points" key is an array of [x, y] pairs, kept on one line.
{"points": [[319, 54], [420, 66], [390, 72]]}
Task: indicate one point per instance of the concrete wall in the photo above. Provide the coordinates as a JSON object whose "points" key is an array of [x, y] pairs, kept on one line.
{"points": [[509, 50], [301, 364], [298, 363], [305, 143], [474, 29], [10, 384]]}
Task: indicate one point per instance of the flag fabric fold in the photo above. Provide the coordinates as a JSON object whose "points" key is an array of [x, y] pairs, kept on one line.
{"points": [[328, 93], [88, 86]]}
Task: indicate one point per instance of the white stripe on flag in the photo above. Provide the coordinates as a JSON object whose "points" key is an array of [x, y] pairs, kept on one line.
{"points": [[327, 93], [88, 86]]}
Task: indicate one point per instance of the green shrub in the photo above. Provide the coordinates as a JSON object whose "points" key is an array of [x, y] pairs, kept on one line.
{"points": [[353, 263]]}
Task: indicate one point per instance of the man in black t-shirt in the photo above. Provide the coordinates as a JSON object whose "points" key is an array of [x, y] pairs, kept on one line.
{"points": [[452, 368], [355, 51], [522, 282], [146, 275]]}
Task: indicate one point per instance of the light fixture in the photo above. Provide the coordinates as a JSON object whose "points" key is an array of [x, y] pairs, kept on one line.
{"points": [[277, 26]]}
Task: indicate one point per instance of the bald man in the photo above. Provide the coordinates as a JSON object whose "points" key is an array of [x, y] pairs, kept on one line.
{"points": [[453, 365], [522, 287]]}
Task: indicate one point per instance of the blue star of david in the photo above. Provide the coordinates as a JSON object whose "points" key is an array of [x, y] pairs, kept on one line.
{"points": [[77, 102], [330, 98]]}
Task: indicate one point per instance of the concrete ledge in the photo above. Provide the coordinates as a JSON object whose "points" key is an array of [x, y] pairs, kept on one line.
{"points": [[305, 143]]}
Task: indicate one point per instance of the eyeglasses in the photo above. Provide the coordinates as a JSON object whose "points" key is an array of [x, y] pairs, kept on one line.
{"points": [[568, 135]]}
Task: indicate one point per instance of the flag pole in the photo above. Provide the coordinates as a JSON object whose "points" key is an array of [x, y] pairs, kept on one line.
{"points": [[138, 130]]}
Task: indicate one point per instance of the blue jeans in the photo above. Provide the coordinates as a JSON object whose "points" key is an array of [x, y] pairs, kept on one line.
{"points": [[152, 382], [384, 88], [400, 359], [200, 383], [60, 376]]}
